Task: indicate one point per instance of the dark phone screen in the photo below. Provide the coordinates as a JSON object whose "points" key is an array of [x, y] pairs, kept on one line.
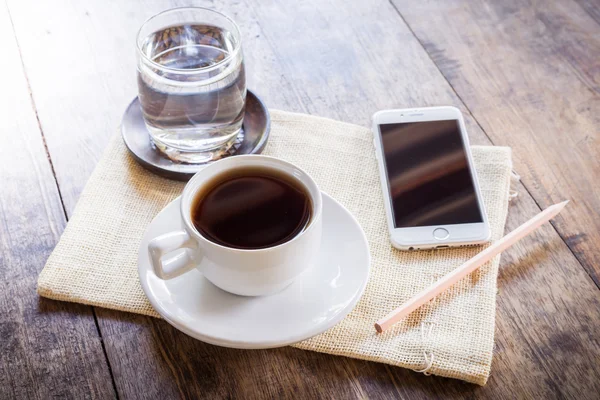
{"points": [[428, 174]]}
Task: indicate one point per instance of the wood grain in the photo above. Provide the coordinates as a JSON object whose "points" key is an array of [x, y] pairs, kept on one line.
{"points": [[592, 8], [47, 349], [343, 60], [529, 72]]}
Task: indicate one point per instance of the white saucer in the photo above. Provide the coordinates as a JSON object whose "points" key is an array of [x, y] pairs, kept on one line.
{"points": [[316, 301]]}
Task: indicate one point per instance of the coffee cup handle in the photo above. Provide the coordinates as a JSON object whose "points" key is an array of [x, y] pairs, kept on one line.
{"points": [[179, 263]]}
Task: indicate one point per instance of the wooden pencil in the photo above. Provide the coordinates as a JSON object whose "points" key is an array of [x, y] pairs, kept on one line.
{"points": [[486, 255]]}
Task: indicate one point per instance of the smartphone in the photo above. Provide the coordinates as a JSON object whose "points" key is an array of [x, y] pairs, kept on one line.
{"points": [[431, 195]]}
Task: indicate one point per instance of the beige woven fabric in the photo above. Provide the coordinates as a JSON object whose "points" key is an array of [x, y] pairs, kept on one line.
{"points": [[453, 336]]}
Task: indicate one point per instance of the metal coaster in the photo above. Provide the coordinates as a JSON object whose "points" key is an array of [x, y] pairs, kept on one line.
{"points": [[251, 140]]}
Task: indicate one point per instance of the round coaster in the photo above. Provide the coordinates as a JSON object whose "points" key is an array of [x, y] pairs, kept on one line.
{"points": [[251, 140]]}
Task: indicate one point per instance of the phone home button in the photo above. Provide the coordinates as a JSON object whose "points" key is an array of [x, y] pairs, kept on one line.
{"points": [[441, 234]]}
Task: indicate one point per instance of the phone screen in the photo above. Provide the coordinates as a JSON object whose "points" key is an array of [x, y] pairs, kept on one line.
{"points": [[428, 174]]}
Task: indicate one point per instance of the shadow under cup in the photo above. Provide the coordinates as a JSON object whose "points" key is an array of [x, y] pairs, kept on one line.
{"points": [[191, 82]]}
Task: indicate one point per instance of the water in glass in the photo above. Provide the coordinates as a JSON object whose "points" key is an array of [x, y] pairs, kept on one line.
{"points": [[192, 89]]}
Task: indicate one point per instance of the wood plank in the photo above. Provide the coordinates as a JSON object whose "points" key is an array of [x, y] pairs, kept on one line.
{"points": [[333, 60], [47, 349], [529, 72]]}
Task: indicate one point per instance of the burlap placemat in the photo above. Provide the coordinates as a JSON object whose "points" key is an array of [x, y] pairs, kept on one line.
{"points": [[453, 336]]}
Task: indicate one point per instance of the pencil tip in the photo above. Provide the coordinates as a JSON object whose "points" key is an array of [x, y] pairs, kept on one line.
{"points": [[378, 328], [556, 208]]}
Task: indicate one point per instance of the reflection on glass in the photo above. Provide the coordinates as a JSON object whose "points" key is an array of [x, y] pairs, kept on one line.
{"points": [[428, 174]]}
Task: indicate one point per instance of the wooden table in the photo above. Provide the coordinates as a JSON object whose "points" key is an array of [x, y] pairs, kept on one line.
{"points": [[526, 74]]}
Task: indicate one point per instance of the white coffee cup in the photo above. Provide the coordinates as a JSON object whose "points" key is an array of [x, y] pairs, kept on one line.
{"points": [[239, 271]]}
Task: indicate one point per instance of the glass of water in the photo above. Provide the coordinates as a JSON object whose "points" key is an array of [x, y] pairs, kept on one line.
{"points": [[191, 82]]}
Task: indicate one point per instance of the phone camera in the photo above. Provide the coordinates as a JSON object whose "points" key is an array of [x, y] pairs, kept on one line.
{"points": [[411, 248]]}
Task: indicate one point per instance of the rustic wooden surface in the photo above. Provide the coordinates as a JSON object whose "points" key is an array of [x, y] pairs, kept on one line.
{"points": [[525, 74], [47, 348]]}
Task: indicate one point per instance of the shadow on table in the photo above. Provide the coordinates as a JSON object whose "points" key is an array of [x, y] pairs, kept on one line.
{"points": [[515, 269]]}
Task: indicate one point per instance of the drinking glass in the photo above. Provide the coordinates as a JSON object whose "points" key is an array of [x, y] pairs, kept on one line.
{"points": [[191, 82]]}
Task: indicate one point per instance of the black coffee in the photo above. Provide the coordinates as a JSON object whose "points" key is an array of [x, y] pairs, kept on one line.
{"points": [[251, 208]]}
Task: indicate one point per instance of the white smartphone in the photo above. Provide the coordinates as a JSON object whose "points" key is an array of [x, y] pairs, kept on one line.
{"points": [[431, 195]]}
